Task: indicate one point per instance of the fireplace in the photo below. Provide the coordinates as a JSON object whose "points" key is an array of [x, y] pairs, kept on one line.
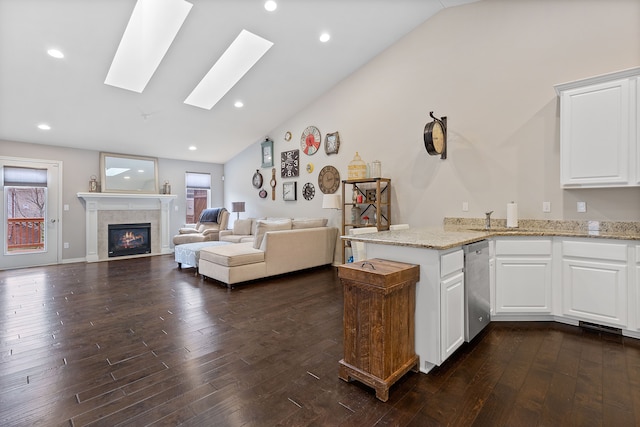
{"points": [[129, 239]]}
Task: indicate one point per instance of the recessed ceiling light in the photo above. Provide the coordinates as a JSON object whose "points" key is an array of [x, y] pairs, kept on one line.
{"points": [[238, 104], [234, 63], [270, 5], [324, 37], [44, 126], [55, 53], [193, 148], [151, 29]]}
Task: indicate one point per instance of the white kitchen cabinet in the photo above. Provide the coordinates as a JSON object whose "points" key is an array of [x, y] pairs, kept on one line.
{"points": [[523, 277], [594, 282], [451, 303], [598, 131]]}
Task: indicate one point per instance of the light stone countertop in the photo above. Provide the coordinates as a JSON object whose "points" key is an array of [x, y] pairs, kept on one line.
{"points": [[461, 231]]}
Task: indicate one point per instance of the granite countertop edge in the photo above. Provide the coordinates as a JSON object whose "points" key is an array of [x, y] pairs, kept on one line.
{"points": [[461, 231]]}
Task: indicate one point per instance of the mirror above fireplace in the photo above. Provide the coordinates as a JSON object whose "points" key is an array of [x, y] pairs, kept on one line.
{"points": [[121, 173]]}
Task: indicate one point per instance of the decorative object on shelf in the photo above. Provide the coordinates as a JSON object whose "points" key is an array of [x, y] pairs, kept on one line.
{"points": [[357, 168], [273, 184], [329, 180], [332, 143], [289, 191], [237, 207], [355, 215], [309, 167], [93, 184], [290, 163], [310, 140], [331, 201], [366, 220], [308, 191], [257, 179], [370, 195], [287, 136], [262, 194], [267, 153], [166, 188], [435, 136], [375, 169]]}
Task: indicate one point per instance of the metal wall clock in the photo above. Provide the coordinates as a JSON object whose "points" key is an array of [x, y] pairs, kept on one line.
{"points": [[290, 163], [310, 140], [435, 136], [267, 153], [332, 143], [329, 180], [289, 191], [308, 191]]}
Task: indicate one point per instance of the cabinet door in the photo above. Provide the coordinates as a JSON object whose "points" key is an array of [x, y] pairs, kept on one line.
{"points": [[595, 291], [523, 285], [451, 314], [595, 135]]}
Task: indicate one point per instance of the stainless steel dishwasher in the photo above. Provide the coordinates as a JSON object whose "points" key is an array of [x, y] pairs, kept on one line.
{"points": [[476, 288]]}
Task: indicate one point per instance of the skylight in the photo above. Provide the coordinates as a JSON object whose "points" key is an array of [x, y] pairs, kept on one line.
{"points": [[234, 63], [151, 29]]}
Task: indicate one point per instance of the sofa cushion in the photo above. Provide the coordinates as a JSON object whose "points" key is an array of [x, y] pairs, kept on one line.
{"points": [[308, 223], [267, 225], [232, 255], [242, 226]]}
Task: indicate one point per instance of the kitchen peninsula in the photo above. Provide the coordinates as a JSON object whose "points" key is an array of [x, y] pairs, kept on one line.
{"points": [[565, 271]]}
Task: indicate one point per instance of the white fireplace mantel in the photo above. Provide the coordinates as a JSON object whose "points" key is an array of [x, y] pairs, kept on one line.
{"points": [[95, 202]]}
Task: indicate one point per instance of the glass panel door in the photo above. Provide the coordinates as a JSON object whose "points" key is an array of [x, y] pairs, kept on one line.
{"points": [[26, 210]]}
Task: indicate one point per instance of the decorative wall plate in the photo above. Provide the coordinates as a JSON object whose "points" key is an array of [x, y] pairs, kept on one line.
{"points": [[310, 140], [329, 180]]}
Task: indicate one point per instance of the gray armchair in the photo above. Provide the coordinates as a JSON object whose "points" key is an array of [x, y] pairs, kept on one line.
{"points": [[208, 227]]}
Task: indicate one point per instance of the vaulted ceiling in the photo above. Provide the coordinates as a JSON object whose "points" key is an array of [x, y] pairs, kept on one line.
{"points": [[70, 95]]}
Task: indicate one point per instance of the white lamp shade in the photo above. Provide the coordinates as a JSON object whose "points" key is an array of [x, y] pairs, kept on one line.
{"points": [[331, 201]]}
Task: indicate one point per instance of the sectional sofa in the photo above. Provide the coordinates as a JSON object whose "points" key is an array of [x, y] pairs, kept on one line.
{"points": [[277, 247]]}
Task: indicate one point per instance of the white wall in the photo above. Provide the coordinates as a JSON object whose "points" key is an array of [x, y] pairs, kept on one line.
{"points": [[490, 68], [79, 165]]}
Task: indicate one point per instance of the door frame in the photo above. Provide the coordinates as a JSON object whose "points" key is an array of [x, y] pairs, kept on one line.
{"points": [[52, 166]]}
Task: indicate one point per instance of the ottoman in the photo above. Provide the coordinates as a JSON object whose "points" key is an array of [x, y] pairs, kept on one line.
{"points": [[188, 254]]}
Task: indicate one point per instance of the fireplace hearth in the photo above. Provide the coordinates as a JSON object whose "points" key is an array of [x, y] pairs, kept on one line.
{"points": [[129, 239]]}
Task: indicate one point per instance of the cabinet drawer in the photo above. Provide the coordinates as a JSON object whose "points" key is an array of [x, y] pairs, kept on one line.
{"points": [[523, 247], [591, 249], [451, 262]]}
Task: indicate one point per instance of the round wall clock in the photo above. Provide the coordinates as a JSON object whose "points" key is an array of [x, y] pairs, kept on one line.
{"points": [[309, 167], [308, 191], [257, 179], [329, 180], [287, 136], [263, 194], [310, 140], [435, 136]]}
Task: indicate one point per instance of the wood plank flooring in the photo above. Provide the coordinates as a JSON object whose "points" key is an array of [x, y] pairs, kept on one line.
{"points": [[139, 342]]}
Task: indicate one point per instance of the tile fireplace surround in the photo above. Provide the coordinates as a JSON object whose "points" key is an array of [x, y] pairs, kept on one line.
{"points": [[102, 209]]}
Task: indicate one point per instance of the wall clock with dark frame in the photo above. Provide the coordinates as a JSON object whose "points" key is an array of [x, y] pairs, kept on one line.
{"points": [[289, 191], [290, 163]]}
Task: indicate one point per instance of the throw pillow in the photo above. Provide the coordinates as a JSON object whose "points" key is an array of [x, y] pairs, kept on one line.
{"points": [[264, 226], [242, 226], [308, 223]]}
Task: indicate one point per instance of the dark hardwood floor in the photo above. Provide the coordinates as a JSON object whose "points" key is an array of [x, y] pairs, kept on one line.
{"points": [[140, 342]]}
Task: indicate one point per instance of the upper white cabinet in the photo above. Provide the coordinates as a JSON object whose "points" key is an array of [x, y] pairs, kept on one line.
{"points": [[599, 131]]}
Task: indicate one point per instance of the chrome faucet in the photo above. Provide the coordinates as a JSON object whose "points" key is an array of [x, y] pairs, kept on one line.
{"points": [[487, 220]]}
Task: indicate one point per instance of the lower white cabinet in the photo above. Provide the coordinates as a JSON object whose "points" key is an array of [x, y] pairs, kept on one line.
{"points": [[594, 282], [523, 276], [451, 314]]}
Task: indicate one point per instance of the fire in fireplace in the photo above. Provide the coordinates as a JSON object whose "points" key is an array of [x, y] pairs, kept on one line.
{"points": [[129, 239]]}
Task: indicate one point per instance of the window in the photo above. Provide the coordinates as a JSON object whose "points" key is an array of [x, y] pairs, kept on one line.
{"points": [[198, 195]]}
